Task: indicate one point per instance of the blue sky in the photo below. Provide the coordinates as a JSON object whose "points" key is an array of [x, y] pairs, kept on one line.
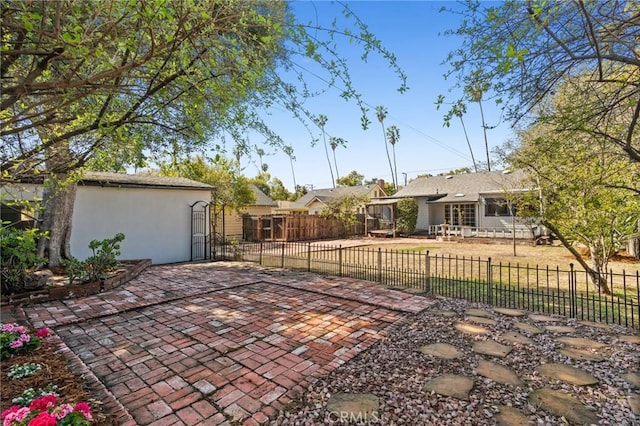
{"points": [[412, 31]]}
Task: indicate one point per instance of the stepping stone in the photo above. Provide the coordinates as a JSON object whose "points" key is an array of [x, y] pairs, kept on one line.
{"points": [[634, 402], [543, 318], [580, 342], [470, 328], [509, 312], [560, 328], [595, 324], [568, 374], [581, 354], [489, 347], [481, 320], [528, 327], [477, 313], [633, 378], [361, 406], [498, 373], [515, 337], [451, 385], [510, 416], [447, 314], [441, 350], [630, 339], [564, 405]]}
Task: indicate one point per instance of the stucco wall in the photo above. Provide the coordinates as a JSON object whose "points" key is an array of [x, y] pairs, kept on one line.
{"points": [[156, 222]]}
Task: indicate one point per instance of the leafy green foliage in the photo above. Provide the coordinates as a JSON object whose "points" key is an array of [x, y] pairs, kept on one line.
{"points": [[352, 179], [104, 257], [344, 209], [30, 394], [407, 216], [18, 254], [20, 371]]}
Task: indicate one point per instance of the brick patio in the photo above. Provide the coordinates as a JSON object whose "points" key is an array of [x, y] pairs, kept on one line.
{"points": [[219, 343]]}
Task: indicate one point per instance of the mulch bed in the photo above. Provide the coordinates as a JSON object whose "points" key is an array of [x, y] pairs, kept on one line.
{"points": [[55, 370]]}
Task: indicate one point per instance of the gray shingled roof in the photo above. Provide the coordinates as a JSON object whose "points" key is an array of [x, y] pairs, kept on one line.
{"points": [[329, 194], [464, 187], [262, 199], [141, 181]]}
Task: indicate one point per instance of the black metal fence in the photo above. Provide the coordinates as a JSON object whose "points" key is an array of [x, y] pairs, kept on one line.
{"points": [[549, 290]]}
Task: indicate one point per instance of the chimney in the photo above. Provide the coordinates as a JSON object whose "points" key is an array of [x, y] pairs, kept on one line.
{"points": [[381, 183]]}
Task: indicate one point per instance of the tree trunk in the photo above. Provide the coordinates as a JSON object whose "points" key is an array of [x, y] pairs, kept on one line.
{"points": [[58, 202], [599, 281], [633, 246]]}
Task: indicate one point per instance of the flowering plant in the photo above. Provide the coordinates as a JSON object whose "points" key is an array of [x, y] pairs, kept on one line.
{"points": [[21, 371], [16, 338], [45, 411]]}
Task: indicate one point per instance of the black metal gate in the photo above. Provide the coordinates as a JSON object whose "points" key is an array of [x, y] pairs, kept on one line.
{"points": [[201, 230]]}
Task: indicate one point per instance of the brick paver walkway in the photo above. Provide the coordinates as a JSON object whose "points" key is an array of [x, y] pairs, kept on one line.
{"points": [[221, 343]]}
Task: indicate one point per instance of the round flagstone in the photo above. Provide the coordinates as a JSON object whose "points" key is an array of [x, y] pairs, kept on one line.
{"points": [[564, 405], [595, 324], [451, 385], [515, 337], [361, 406], [559, 328], [634, 402], [481, 320], [477, 313], [498, 373], [441, 350], [581, 354], [581, 342], [633, 378], [630, 339], [510, 312], [567, 373], [543, 318], [528, 327], [510, 416], [470, 328], [489, 347]]}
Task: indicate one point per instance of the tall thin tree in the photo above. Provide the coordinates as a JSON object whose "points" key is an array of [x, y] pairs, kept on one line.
{"points": [[459, 110], [334, 142], [476, 96], [321, 121], [381, 113], [289, 151], [393, 135]]}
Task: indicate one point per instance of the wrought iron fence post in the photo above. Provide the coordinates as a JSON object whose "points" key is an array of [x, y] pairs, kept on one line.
{"points": [[340, 260], [260, 257], [308, 257], [427, 288], [573, 303], [379, 265], [489, 283], [282, 256]]}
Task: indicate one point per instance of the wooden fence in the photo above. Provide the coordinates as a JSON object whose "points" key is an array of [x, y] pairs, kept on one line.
{"points": [[297, 228]]}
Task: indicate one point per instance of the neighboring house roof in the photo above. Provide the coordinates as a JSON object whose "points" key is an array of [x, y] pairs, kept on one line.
{"points": [[329, 194], [262, 199], [140, 181], [465, 187]]}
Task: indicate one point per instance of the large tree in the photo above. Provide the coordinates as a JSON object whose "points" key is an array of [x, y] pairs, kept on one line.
{"points": [[118, 80], [520, 51]]}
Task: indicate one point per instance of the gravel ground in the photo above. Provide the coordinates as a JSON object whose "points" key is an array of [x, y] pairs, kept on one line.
{"points": [[396, 372]]}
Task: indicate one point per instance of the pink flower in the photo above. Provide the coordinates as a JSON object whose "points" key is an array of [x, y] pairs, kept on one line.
{"points": [[8, 328], [44, 402], [61, 411], [20, 330], [16, 344], [15, 414], [42, 332], [83, 408], [43, 419], [24, 338]]}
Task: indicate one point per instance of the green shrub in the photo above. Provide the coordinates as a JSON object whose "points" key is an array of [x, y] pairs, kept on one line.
{"points": [[19, 256], [76, 270], [104, 258], [407, 216]]}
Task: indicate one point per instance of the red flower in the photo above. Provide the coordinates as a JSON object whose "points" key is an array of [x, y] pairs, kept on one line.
{"points": [[83, 408], [42, 332], [42, 403], [43, 419], [13, 409]]}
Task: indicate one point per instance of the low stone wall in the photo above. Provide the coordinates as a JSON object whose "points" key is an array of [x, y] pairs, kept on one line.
{"points": [[135, 267]]}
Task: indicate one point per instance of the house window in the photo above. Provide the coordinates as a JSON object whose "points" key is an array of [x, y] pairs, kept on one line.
{"points": [[496, 207], [460, 214], [16, 216]]}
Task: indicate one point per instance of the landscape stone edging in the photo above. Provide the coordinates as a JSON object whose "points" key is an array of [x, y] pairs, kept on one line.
{"points": [[81, 290]]}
